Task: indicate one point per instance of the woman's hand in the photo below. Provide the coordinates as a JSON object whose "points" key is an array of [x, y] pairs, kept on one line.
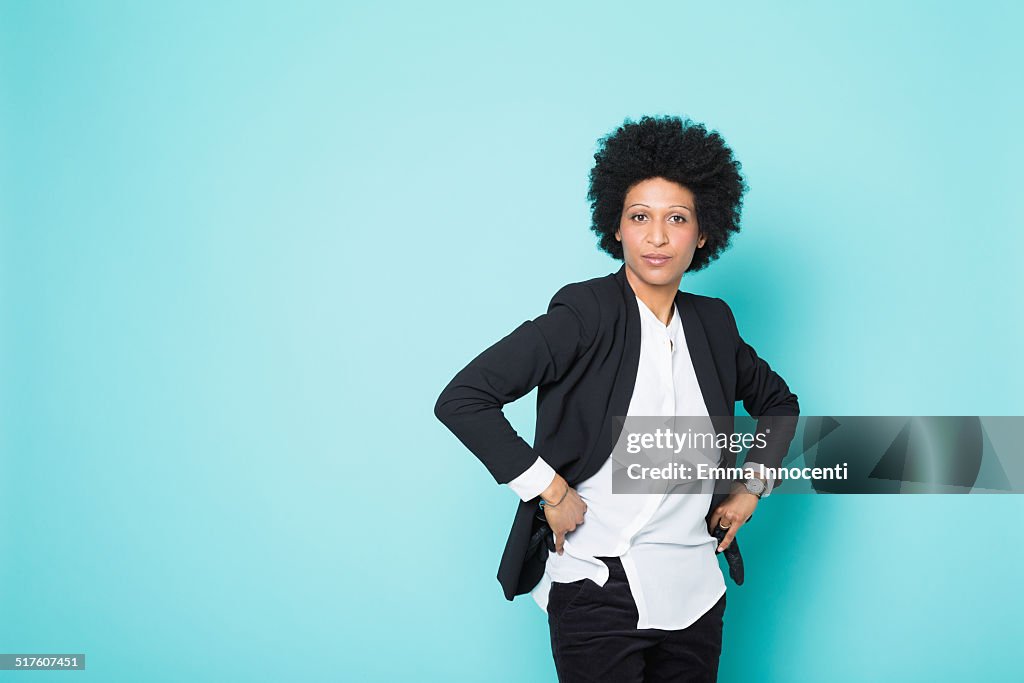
{"points": [[733, 513], [566, 515]]}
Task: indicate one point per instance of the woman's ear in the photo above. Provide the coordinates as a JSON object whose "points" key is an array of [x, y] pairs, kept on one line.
{"points": [[618, 235], [701, 241]]}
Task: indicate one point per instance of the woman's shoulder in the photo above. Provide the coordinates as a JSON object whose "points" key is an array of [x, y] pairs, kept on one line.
{"points": [[708, 303], [580, 297], [713, 310], [595, 288]]}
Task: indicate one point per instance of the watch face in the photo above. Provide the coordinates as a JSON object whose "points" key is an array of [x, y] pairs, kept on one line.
{"points": [[755, 485]]}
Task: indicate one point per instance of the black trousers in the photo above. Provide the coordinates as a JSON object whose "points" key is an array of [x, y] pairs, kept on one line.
{"points": [[594, 636]]}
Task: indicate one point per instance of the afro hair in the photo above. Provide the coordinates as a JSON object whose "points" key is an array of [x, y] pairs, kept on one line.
{"points": [[675, 149]]}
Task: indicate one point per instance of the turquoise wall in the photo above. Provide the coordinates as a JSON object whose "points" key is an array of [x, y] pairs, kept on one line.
{"points": [[244, 246]]}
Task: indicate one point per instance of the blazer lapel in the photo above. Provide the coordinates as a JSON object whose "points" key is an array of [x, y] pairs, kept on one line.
{"points": [[700, 353], [622, 391], [625, 381]]}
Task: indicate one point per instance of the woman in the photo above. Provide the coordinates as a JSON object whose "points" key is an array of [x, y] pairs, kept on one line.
{"points": [[631, 583]]}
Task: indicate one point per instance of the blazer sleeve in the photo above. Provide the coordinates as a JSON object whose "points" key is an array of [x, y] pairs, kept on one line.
{"points": [[537, 352], [767, 397]]}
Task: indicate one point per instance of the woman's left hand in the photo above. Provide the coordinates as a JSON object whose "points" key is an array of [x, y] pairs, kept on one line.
{"points": [[733, 513]]}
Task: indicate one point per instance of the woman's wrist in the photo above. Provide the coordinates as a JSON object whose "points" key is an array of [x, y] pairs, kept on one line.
{"points": [[556, 492]]}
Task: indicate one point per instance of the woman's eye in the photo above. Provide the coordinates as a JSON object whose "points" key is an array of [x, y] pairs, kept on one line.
{"points": [[642, 217]]}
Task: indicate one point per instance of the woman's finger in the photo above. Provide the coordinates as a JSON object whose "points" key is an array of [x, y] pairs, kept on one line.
{"points": [[727, 540], [715, 517]]}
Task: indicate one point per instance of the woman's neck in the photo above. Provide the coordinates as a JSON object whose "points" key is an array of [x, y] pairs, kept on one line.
{"points": [[659, 298]]}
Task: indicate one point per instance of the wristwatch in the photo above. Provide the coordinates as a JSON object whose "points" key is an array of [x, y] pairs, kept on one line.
{"points": [[755, 486]]}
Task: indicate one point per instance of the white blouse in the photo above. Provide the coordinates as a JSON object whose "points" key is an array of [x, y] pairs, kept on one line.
{"points": [[662, 538]]}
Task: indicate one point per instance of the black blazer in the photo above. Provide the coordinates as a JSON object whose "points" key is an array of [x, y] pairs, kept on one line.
{"points": [[582, 355]]}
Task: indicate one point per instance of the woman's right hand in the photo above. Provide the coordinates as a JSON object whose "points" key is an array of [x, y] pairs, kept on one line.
{"points": [[565, 516]]}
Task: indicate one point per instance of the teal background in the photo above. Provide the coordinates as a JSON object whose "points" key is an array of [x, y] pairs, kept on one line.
{"points": [[245, 245]]}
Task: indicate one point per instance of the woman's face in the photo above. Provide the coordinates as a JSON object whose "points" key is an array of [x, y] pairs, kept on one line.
{"points": [[658, 231]]}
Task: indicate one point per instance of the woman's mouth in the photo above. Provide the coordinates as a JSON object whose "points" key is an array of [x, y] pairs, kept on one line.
{"points": [[655, 259]]}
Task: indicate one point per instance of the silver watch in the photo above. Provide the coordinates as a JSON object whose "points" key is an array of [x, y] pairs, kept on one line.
{"points": [[755, 486]]}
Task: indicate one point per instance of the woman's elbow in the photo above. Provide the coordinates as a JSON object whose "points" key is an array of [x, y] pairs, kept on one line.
{"points": [[443, 407], [793, 404]]}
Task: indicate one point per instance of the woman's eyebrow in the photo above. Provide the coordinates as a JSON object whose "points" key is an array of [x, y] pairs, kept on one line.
{"points": [[682, 206]]}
